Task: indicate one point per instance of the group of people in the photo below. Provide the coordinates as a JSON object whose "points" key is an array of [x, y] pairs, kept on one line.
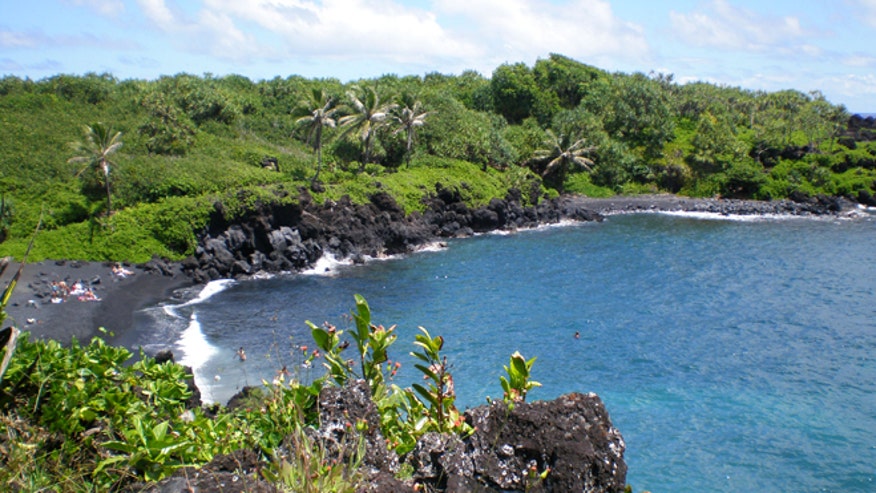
{"points": [[61, 292]]}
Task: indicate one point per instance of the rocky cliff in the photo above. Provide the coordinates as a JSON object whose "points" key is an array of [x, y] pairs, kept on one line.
{"points": [[293, 237], [564, 445]]}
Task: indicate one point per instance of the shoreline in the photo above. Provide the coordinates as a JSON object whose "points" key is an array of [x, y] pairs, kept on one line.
{"points": [[674, 203], [30, 308]]}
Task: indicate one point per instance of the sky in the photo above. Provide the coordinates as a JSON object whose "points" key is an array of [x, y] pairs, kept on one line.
{"points": [[806, 45]]}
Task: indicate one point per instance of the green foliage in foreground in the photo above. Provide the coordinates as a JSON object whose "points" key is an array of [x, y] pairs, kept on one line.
{"points": [[82, 418]]}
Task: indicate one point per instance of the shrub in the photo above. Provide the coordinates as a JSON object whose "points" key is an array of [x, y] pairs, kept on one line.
{"points": [[82, 418], [582, 184]]}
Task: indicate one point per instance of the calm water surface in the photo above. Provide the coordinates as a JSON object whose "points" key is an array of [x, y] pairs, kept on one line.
{"points": [[733, 355]]}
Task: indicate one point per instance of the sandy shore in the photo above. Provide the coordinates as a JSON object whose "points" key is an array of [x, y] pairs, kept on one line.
{"points": [[31, 309]]}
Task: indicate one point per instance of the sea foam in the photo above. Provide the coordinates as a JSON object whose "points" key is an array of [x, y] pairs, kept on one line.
{"points": [[193, 344], [716, 216], [211, 289], [327, 265], [196, 352]]}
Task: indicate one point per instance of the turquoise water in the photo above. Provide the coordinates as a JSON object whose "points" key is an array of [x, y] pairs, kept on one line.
{"points": [[732, 355]]}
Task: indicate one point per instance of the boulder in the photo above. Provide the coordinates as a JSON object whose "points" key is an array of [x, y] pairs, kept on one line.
{"points": [[341, 409], [571, 438]]}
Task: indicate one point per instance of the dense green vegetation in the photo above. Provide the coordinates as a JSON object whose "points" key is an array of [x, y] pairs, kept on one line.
{"points": [[190, 141], [83, 418]]}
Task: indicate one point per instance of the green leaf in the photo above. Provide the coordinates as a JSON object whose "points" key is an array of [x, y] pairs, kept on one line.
{"points": [[320, 336], [428, 396], [505, 385], [119, 446], [159, 431], [519, 365], [108, 462], [362, 317], [428, 372], [362, 307]]}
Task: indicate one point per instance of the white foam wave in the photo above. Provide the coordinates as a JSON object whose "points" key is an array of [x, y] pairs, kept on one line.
{"points": [[196, 352], [211, 289], [563, 223], [716, 216], [327, 265], [436, 246], [862, 211]]}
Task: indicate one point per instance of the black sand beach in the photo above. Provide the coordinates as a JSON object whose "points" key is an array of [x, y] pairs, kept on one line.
{"points": [[31, 309]]}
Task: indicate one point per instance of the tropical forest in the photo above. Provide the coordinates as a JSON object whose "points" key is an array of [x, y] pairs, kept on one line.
{"points": [[127, 169]]}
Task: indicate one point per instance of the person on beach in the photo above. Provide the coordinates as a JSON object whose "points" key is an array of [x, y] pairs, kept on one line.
{"points": [[89, 296], [57, 295], [63, 289], [121, 272], [78, 289], [241, 354]]}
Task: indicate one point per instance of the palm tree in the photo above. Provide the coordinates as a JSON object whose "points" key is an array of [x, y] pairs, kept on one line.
{"points": [[409, 118], [94, 151], [317, 112], [561, 156], [367, 115]]}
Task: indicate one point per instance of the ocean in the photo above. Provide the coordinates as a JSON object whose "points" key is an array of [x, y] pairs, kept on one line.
{"points": [[734, 354]]}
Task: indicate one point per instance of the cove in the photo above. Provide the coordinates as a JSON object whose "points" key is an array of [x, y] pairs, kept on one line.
{"points": [[733, 355]]}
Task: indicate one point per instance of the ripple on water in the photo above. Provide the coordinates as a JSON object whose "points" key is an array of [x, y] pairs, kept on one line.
{"points": [[734, 356]]}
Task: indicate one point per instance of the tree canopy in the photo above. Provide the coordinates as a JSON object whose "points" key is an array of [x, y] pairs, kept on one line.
{"points": [[189, 139]]}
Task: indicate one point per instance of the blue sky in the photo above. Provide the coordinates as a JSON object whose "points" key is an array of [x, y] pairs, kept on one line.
{"points": [[764, 44]]}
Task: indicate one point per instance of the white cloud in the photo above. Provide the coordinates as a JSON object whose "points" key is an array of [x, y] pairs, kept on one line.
{"points": [[455, 34], [853, 85], [160, 14], [858, 60], [856, 91], [727, 27], [345, 28], [811, 50], [12, 39], [207, 32], [104, 7], [517, 30], [868, 8]]}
